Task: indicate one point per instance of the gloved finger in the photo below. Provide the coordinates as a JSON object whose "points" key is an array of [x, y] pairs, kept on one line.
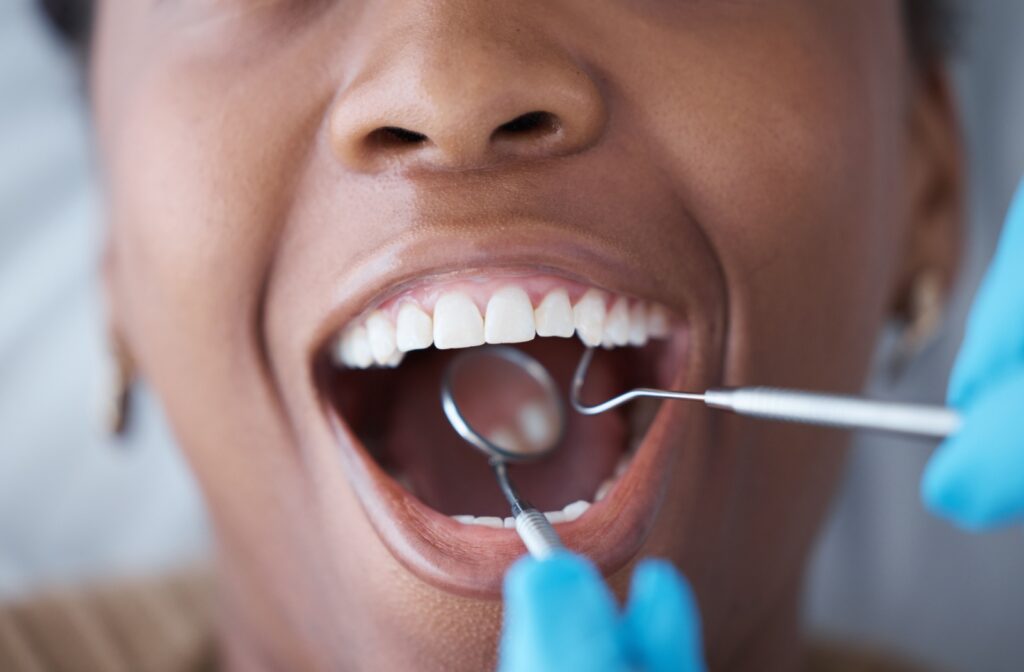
{"points": [[662, 624], [559, 615], [976, 478], [994, 338]]}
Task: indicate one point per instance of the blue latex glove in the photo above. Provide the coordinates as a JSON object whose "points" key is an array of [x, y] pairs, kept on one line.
{"points": [[560, 615], [976, 478]]}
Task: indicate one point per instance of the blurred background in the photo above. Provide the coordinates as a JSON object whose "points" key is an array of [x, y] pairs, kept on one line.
{"points": [[76, 506]]}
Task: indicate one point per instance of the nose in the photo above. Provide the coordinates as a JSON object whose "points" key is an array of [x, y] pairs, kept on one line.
{"points": [[460, 94]]}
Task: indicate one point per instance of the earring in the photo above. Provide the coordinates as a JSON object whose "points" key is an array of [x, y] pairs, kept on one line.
{"points": [[925, 307], [120, 377]]}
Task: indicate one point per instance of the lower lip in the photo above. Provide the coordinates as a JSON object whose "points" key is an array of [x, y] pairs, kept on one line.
{"points": [[471, 560]]}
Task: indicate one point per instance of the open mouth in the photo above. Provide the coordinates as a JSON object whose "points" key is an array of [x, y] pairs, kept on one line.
{"points": [[432, 497]]}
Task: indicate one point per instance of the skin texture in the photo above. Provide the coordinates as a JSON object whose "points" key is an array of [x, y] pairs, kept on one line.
{"points": [[772, 169]]}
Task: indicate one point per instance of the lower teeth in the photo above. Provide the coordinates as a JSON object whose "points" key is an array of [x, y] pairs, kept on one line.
{"points": [[568, 514]]}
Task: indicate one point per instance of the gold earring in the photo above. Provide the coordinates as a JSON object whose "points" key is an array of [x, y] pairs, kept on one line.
{"points": [[925, 307], [120, 377]]}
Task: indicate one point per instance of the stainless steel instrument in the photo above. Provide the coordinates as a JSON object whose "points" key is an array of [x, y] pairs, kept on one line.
{"points": [[786, 405]]}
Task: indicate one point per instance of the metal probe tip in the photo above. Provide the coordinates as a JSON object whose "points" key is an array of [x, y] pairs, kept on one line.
{"points": [[580, 375]]}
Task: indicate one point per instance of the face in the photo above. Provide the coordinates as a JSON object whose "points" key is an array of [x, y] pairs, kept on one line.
{"points": [[314, 206]]}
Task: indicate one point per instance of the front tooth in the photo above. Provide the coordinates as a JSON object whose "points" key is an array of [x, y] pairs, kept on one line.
{"points": [[457, 322], [554, 315], [657, 322], [395, 359], [588, 315], [465, 520], [357, 348], [341, 353], [510, 523], [490, 521], [414, 330], [381, 333], [616, 325], [575, 510], [638, 324], [555, 516], [509, 317]]}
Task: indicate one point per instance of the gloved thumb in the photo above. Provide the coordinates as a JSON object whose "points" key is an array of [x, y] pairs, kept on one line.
{"points": [[976, 478], [559, 615], [662, 623]]}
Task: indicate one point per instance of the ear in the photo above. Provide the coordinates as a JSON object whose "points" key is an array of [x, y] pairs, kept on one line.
{"points": [[935, 190]]}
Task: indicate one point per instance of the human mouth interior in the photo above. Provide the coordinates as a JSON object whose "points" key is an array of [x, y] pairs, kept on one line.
{"points": [[382, 376]]}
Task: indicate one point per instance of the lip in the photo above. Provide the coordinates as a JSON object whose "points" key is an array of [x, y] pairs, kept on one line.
{"points": [[468, 559]]}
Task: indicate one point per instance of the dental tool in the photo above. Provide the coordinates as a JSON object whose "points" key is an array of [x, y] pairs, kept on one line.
{"points": [[507, 428], [787, 405]]}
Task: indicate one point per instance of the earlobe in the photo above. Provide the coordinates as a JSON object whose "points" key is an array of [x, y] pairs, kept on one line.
{"points": [[925, 309]]}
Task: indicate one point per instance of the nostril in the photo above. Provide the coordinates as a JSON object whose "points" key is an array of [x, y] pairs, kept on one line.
{"points": [[531, 124], [395, 137]]}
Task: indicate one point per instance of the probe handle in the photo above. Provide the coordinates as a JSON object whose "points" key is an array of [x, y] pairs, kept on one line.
{"points": [[836, 410], [537, 534]]}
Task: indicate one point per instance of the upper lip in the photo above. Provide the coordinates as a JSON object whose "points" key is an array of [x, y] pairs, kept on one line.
{"points": [[472, 559], [394, 267]]}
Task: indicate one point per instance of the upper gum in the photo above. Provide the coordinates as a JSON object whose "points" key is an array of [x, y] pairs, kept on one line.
{"points": [[480, 291]]}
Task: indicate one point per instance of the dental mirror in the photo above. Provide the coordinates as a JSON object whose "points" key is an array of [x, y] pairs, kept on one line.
{"points": [[505, 404]]}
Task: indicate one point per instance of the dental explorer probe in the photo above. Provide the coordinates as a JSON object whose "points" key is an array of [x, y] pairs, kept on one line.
{"points": [[772, 403]]}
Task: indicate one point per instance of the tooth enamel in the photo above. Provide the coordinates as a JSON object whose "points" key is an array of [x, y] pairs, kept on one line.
{"points": [[602, 490], [588, 316], [414, 330], [510, 523], [340, 351], [657, 322], [465, 520], [457, 322], [555, 516], [554, 315], [616, 324], [638, 324], [536, 425], [395, 359], [381, 334], [509, 317], [356, 348], [490, 521], [575, 510]]}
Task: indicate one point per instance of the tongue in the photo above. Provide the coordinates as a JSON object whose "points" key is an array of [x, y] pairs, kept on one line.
{"points": [[451, 476]]}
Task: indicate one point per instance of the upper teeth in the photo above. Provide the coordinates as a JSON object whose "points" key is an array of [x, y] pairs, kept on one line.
{"points": [[509, 317]]}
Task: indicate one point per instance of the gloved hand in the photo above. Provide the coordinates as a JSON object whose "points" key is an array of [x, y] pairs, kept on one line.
{"points": [[560, 615], [976, 478]]}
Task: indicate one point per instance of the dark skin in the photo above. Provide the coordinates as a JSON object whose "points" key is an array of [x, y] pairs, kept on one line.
{"points": [[779, 172]]}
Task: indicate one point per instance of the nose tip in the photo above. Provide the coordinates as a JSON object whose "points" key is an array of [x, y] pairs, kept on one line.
{"points": [[465, 114]]}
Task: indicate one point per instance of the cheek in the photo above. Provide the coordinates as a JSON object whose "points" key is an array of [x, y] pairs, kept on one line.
{"points": [[199, 184], [788, 149]]}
